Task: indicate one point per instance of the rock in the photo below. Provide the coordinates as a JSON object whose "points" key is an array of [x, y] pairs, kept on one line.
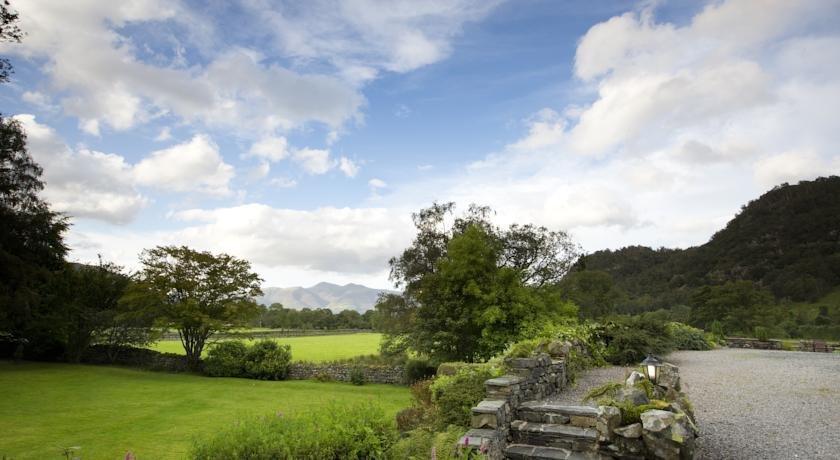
{"points": [[634, 378], [635, 395], [629, 431], [656, 420], [608, 419], [669, 376], [668, 435], [558, 348]]}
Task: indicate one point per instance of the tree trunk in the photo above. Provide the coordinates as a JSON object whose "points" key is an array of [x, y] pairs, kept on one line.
{"points": [[193, 340]]}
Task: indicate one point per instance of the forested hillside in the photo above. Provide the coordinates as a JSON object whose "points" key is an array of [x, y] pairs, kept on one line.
{"points": [[785, 245]]}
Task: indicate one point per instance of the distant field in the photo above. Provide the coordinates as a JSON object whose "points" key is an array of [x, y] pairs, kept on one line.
{"points": [[108, 410], [313, 348]]}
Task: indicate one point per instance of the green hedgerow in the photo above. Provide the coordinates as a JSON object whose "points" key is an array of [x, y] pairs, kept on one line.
{"points": [[267, 360], [454, 396], [685, 337]]}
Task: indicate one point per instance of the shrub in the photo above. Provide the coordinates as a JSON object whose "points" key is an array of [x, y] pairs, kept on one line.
{"points": [[357, 376], [267, 360], [685, 337], [455, 395], [630, 339], [358, 431], [409, 419], [418, 369], [226, 359], [761, 333], [419, 443]]}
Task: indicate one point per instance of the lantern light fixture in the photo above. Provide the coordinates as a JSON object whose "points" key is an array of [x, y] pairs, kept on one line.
{"points": [[651, 366]]}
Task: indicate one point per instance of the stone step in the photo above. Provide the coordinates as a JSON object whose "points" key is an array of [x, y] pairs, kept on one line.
{"points": [[529, 452], [554, 435], [543, 412]]}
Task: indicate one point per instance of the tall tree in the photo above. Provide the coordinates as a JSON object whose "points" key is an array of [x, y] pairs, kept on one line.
{"points": [[469, 286], [197, 293], [9, 32], [31, 238]]}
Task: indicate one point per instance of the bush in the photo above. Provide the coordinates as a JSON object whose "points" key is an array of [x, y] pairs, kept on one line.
{"points": [[357, 376], [358, 431], [418, 369], [410, 418], [267, 360], [762, 333], [630, 338], [419, 443], [226, 359], [685, 337], [455, 395]]}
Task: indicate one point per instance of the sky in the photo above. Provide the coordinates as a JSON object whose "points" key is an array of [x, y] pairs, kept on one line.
{"points": [[302, 135]]}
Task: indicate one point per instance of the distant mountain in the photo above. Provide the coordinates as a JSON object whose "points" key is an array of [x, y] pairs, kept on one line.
{"points": [[787, 240], [323, 295]]}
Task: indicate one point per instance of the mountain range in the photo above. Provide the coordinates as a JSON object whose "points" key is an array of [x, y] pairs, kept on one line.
{"points": [[323, 295]]}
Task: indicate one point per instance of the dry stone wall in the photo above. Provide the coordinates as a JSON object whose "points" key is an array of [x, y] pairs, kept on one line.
{"points": [[341, 372]]}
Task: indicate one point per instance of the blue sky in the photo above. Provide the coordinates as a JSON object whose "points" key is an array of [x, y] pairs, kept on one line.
{"points": [[301, 135]]}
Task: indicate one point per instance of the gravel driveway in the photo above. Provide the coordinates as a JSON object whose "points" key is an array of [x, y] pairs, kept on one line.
{"points": [[757, 404], [751, 404]]}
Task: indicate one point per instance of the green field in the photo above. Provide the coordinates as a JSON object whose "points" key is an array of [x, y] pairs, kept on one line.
{"points": [[316, 348], [109, 410]]}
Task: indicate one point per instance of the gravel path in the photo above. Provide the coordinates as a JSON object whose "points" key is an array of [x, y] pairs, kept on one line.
{"points": [[758, 404], [751, 404], [588, 380]]}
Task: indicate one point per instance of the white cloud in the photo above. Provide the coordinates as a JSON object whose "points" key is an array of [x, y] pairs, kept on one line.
{"points": [[164, 135], [328, 239], [283, 182], [272, 148], [192, 166], [82, 183], [314, 161], [362, 37], [348, 167], [792, 167], [377, 183], [97, 69], [545, 129]]}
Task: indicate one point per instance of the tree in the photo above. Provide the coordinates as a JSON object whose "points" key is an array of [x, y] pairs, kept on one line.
{"points": [[196, 293], [9, 32], [469, 286], [85, 303], [31, 240]]}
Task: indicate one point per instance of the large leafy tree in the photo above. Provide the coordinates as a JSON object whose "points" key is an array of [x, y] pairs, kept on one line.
{"points": [[31, 240], [9, 32], [85, 305], [195, 292], [470, 287]]}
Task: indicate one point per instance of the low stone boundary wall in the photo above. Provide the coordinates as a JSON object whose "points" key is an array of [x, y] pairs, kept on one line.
{"points": [[773, 344], [273, 333], [341, 372]]}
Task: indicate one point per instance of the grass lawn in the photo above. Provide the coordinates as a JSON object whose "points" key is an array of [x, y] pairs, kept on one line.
{"points": [[314, 348], [110, 410]]}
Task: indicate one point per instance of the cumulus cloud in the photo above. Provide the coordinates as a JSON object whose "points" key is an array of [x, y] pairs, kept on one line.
{"points": [[349, 240], [377, 183], [364, 37], [792, 167], [103, 81], [82, 183], [192, 166], [348, 167], [314, 161], [272, 148]]}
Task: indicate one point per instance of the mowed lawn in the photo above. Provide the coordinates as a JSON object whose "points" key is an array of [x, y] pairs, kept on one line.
{"points": [[316, 348], [108, 411]]}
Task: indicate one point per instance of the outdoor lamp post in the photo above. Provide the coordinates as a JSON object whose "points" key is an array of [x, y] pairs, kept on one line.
{"points": [[651, 368]]}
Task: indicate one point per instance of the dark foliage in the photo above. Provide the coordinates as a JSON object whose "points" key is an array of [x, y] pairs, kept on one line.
{"points": [[418, 369], [276, 316], [136, 357], [226, 359]]}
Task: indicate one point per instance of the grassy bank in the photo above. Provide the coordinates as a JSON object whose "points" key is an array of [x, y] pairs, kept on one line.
{"points": [[108, 411]]}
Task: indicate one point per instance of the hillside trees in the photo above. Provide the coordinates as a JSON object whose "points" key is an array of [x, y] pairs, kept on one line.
{"points": [[197, 293], [470, 287]]}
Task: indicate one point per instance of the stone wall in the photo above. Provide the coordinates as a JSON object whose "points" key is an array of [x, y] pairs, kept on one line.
{"points": [[528, 379], [341, 372], [772, 344]]}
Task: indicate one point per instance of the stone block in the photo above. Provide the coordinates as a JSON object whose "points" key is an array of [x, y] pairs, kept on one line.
{"points": [[583, 422]]}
